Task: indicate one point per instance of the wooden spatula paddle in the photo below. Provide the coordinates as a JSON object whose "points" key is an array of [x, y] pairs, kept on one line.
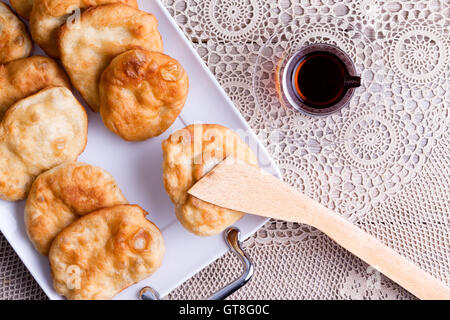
{"points": [[238, 186]]}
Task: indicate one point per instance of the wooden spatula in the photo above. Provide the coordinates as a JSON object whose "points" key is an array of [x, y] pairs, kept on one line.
{"points": [[238, 186]]}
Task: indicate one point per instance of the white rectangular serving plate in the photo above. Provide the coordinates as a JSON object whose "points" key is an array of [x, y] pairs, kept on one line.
{"points": [[137, 167]]}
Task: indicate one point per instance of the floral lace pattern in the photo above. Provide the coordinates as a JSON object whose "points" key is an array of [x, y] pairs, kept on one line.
{"points": [[382, 162], [361, 161]]}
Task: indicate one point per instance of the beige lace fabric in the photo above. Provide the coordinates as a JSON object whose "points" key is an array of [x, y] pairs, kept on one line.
{"points": [[383, 162]]}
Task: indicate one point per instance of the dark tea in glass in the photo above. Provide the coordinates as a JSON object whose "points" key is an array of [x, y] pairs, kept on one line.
{"points": [[320, 79]]}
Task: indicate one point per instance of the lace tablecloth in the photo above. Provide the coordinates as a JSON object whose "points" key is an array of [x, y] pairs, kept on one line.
{"points": [[392, 177]]}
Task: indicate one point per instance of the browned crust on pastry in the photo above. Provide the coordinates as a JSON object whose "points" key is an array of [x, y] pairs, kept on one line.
{"points": [[22, 7], [23, 77], [142, 93], [189, 154]]}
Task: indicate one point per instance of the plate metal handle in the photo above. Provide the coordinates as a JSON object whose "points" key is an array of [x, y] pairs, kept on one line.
{"points": [[232, 239], [231, 236]]}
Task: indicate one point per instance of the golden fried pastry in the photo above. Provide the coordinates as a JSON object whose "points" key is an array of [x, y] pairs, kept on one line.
{"points": [[104, 252], [38, 133], [15, 42], [22, 7], [189, 154], [61, 195], [48, 16], [142, 93], [102, 33], [23, 77]]}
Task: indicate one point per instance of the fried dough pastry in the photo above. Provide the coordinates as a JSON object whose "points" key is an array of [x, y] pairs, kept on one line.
{"points": [[15, 42], [61, 195], [38, 133], [22, 7], [49, 15], [104, 252], [189, 154], [102, 33], [142, 93], [23, 77]]}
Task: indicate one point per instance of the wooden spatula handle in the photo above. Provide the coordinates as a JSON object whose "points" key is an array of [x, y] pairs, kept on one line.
{"points": [[241, 187], [303, 209], [378, 255]]}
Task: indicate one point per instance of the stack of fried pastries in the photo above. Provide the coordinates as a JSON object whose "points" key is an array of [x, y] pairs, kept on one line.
{"points": [[97, 244], [87, 35], [23, 77], [48, 16], [104, 252]]}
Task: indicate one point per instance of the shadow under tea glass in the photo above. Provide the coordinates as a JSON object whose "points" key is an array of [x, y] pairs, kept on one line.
{"points": [[319, 79]]}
